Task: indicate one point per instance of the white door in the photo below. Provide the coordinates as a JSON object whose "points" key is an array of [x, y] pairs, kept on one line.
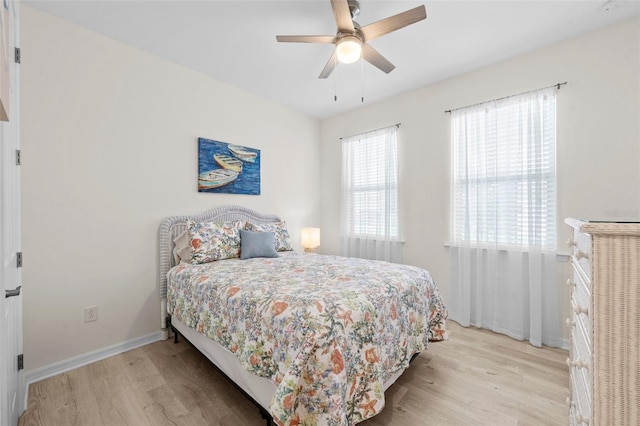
{"points": [[11, 379]]}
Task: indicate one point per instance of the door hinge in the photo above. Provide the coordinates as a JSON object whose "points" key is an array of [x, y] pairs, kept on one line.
{"points": [[19, 259], [20, 362], [17, 55], [18, 158]]}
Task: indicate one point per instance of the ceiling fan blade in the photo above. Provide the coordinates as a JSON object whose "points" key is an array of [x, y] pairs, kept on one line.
{"points": [[343, 16], [331, 65], [306, 38], [372, 56], [392, 23]]}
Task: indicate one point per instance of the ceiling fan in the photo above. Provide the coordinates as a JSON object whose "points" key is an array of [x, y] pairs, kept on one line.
{"points": [[351, 39]]}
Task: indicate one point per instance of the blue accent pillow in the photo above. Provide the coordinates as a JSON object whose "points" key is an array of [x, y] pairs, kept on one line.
{"points": [[257, 244]]}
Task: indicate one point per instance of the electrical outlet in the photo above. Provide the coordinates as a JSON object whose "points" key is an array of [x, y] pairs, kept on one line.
{"points": [[91, 313]]}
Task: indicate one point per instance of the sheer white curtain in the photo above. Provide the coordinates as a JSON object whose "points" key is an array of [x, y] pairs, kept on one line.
{"points": [[503, 223], [369, 211]]}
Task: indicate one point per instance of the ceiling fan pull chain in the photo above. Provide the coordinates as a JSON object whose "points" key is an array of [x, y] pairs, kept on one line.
{"points": [[335, 79], [361, 78]]}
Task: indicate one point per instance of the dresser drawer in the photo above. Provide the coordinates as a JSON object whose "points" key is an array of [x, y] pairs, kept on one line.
{"points": [[579, 368], [581, 251], [581, 297], [581, 338], [581, 406], [580, 314], [572, 414]]}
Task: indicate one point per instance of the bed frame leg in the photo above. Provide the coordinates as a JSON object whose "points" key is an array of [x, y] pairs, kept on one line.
{"points": [[266, 416], [172, 328]]}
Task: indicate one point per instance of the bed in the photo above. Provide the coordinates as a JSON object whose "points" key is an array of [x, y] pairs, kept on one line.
{"points": [[311, 339]]}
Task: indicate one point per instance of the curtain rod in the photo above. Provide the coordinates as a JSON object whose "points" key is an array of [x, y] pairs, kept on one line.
{"points": [[374, 130], [557, 86]]}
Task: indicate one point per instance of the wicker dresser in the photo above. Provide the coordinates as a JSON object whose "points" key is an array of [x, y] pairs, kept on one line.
{"points": [[604, 360]]}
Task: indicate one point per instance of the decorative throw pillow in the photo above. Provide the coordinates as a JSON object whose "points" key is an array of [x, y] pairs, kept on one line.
{"points": [[279, 229], [257, 244], [182, 248], [212, 241]]}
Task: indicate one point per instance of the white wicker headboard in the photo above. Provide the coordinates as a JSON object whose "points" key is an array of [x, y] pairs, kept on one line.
{"points": [[172, 226]]}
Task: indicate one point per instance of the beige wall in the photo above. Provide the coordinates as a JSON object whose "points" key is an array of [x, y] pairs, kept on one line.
{"points": [[598, 140], [109, 140]]}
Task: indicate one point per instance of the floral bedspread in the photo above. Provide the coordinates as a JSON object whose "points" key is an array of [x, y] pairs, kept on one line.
{"points": [[327, 330]]}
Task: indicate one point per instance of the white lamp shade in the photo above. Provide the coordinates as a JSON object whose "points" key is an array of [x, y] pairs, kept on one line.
{"points": [[348, 49], [310, 237]]}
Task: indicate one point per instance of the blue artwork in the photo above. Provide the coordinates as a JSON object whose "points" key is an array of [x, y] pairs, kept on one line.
{"points": [[227, 168]]}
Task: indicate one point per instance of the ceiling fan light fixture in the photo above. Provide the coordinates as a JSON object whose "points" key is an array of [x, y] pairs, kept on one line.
{"points": [[352, 39], [348, 49]]}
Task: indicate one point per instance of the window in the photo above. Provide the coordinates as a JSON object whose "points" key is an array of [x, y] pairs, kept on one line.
{"points": [[370, 193], [503, 272], [504, 172]]}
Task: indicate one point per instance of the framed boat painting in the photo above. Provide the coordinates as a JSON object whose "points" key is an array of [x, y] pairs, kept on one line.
{"points": [[227, 168]]}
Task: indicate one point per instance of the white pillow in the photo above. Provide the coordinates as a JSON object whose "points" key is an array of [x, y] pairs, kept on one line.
{"points": [[182, 248]]}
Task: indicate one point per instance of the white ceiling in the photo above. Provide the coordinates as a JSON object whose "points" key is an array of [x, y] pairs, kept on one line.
{"points": [[234, 41]]}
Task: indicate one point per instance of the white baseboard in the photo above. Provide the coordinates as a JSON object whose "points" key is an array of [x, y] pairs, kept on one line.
{"points": [[47, 371]]}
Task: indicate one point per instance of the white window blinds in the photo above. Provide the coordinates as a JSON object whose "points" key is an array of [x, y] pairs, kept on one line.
{"points": [[504, 171]]}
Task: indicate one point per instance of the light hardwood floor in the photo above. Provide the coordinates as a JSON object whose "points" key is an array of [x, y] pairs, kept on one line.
{"points": [[475, 378]]}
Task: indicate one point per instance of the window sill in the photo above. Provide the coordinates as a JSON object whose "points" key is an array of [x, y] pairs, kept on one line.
{"points": [[355, 237], [560, 257]]}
